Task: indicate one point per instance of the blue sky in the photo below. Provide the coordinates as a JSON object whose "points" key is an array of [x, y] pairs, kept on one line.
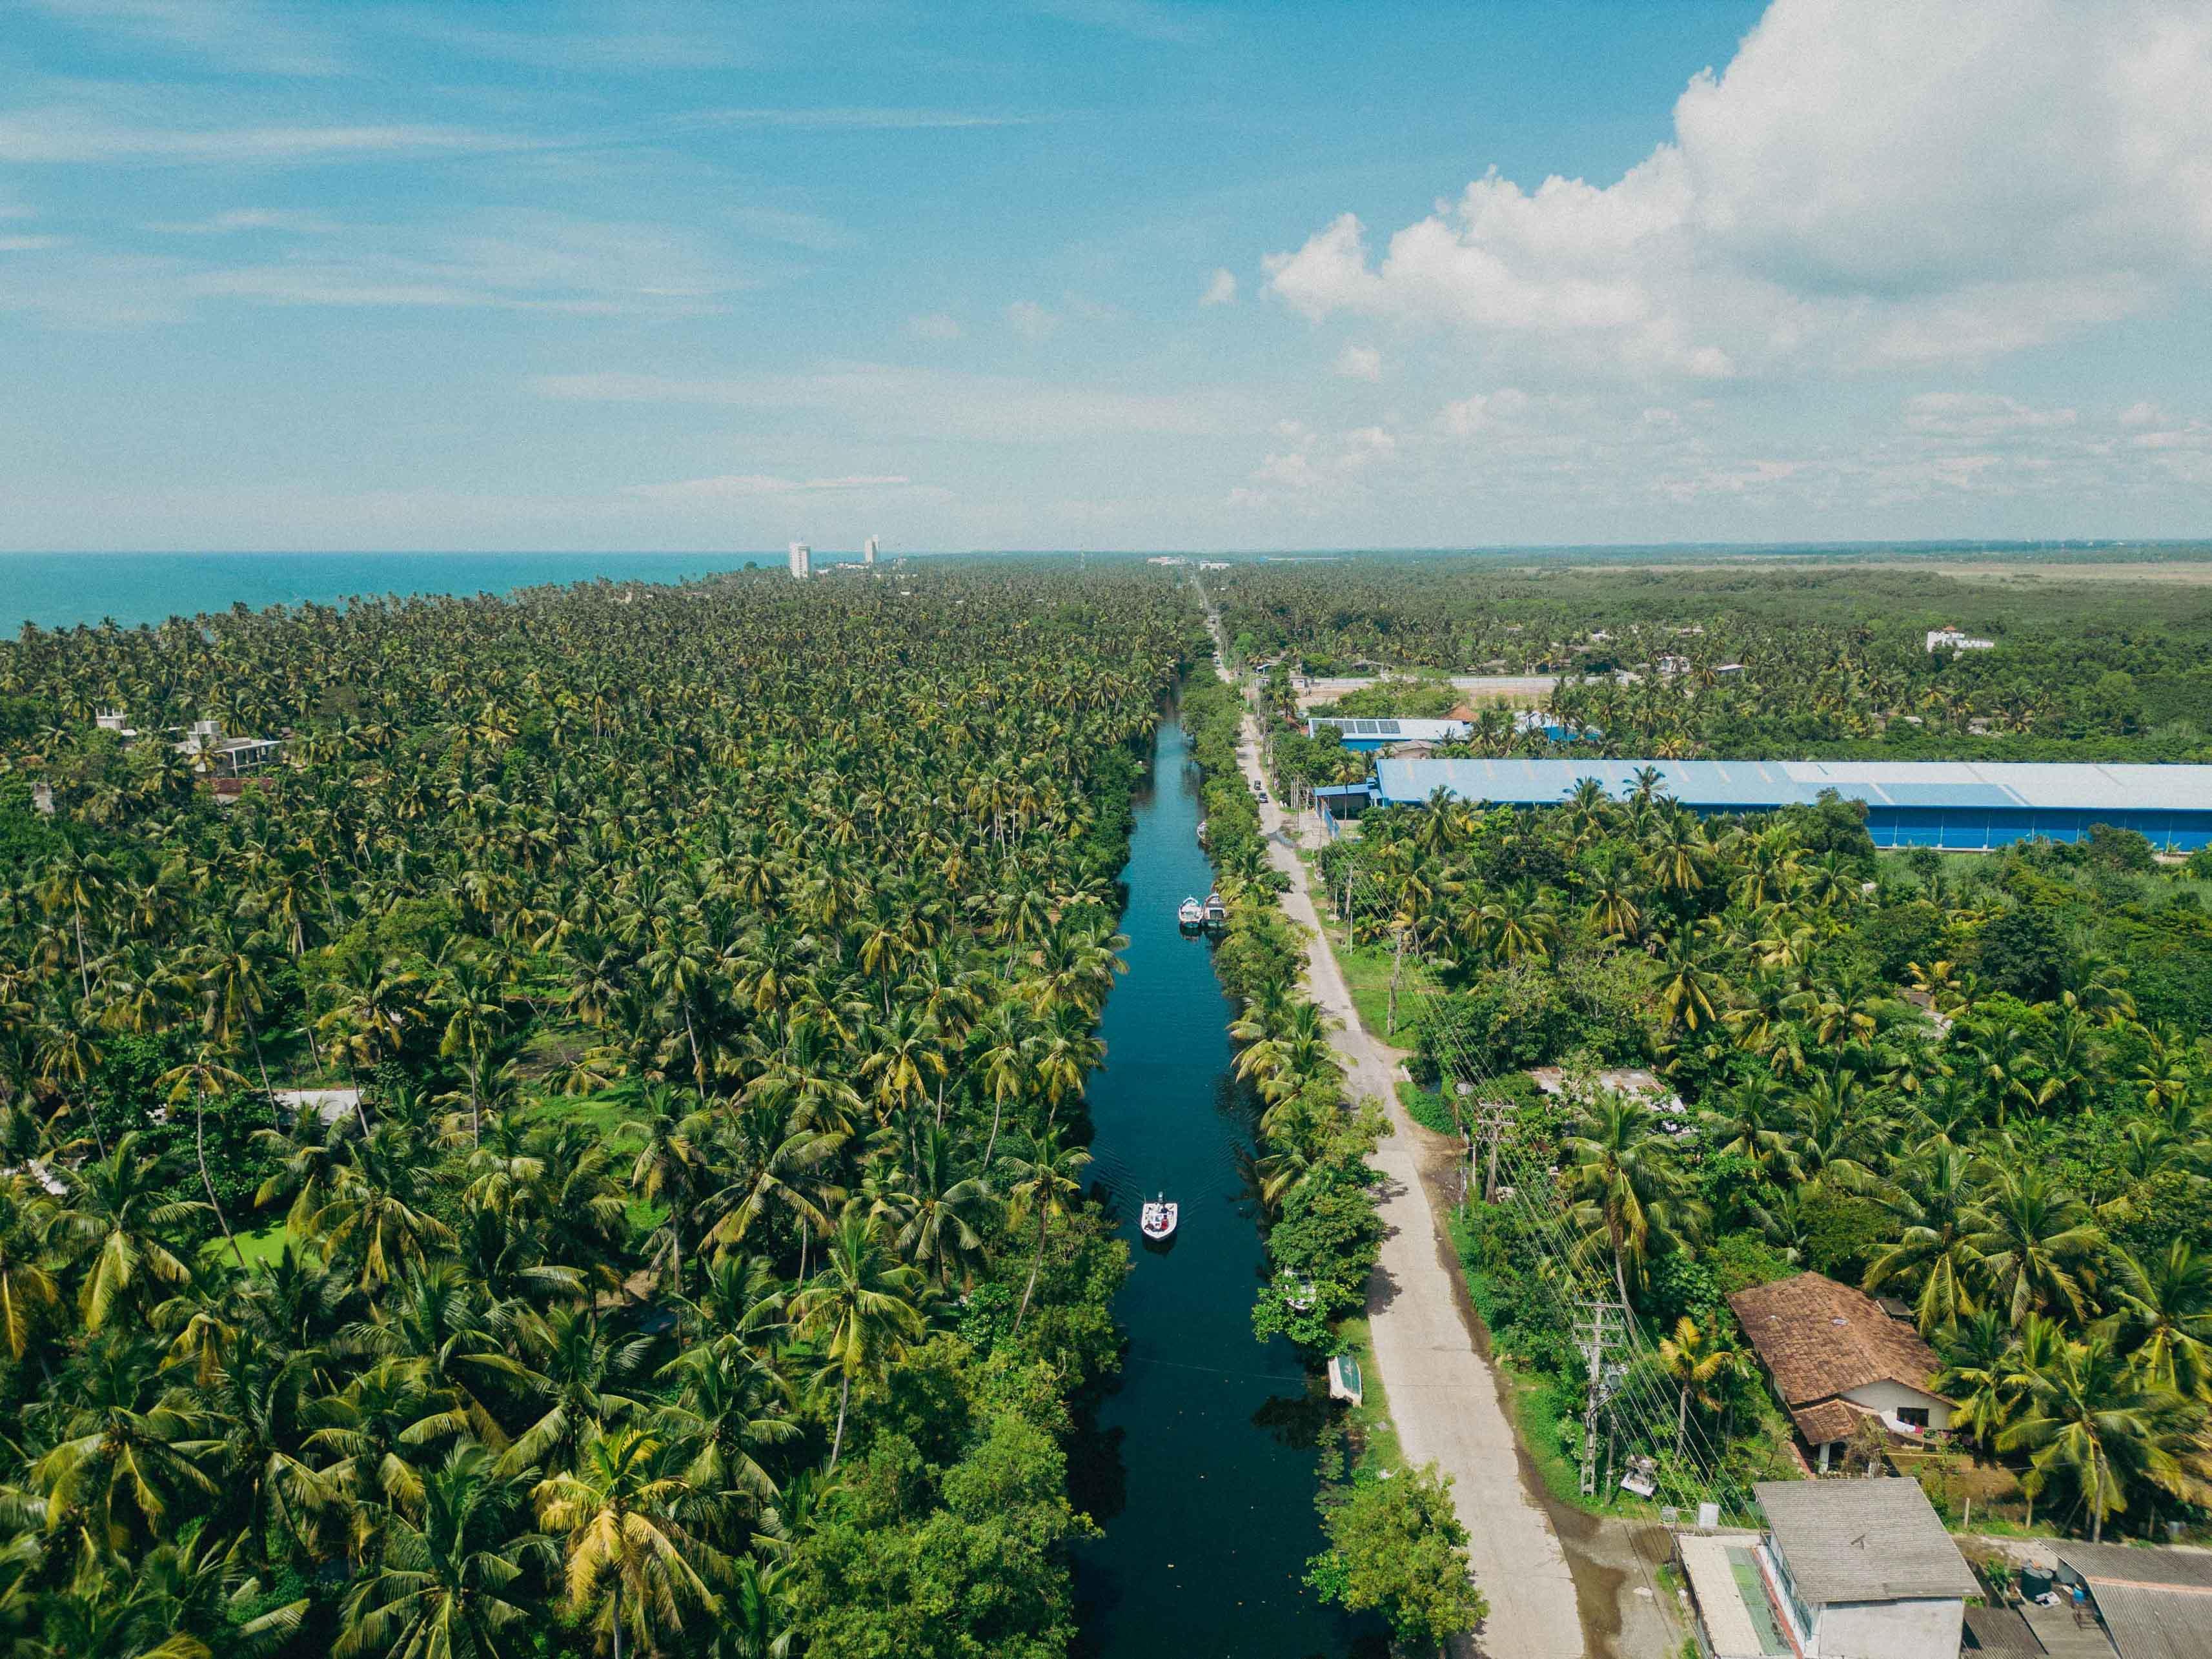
{"points": [[1102, 273]]}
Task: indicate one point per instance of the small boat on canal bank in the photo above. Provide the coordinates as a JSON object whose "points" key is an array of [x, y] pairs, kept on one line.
{"points": [[1217, 913], [1190, 915], [1157, 1221], [1344, 1382]]}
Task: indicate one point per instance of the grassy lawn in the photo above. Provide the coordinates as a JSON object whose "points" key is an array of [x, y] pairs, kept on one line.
{"points": [[1366, 969], [604, 1114], [1370, 1420], [266, 1245]]}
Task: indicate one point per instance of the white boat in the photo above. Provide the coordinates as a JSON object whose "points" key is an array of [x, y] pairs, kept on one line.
{"points": [[1344, 1382], [1157, 1221], [1217, 913], [1191, 913]]}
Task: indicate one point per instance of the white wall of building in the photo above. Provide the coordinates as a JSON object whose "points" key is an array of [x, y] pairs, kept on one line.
{"points": [[1889, 1396]]}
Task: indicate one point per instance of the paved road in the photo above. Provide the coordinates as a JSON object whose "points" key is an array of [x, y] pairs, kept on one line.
{"points": [[1443, 1396]]}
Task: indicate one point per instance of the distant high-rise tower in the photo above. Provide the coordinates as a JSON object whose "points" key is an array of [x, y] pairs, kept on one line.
{"points": [[868, 551], [802, 561]]}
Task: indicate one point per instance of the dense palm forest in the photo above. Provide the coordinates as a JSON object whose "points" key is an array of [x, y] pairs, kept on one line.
{"points": [[1981, 1085], [684, 1249], [1799, 661]]}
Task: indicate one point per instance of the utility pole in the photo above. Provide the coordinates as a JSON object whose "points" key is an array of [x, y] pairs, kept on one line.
{"points": [[1492, 1117], [1599, 1333]]}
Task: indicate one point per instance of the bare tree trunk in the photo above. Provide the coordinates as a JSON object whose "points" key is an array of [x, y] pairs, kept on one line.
{"points": [[1397, 962], [199, 1151], [83, 980], [837, 1440], [998, 1110], [1037, 1263]]}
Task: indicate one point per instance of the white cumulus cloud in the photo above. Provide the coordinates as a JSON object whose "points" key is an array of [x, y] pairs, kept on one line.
{"points": [[1868, 182], [1359, 362], [1030, 321], [1220, 290]]}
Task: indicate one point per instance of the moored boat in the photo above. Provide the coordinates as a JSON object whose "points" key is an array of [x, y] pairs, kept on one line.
{"points": [[1191, 913], [1157, 1221], [1217, 912], [1344, 1379]]}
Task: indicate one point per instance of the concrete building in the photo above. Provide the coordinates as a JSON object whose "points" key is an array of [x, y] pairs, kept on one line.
{"points": [[1863, 1570], [802, 561], [218, 754], [1966, 806], [1951, 639], [868, 551], [1370, 736], [1840, 1362]]}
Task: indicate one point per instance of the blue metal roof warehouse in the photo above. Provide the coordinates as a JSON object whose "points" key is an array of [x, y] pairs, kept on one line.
{"points": [[1962, 804]]}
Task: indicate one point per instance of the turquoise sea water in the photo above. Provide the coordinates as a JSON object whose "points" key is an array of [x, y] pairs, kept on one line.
{"points": [[60, 590]]}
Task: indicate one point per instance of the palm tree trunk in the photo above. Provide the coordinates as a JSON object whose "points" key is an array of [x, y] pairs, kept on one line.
{"points": [[837, 1440], [1035, 1262], [1682, 1419], [83, 981], [1397, 962], [617, 1621], [998, 1110], [254, 1037], [199, 1151]]}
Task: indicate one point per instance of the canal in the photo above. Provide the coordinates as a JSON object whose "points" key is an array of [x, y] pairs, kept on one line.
{"points": [[1202, 1468]]}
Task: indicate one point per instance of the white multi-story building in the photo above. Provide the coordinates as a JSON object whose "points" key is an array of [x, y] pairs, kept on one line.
{"points": [[802, 561], [868, 551], [1954, 639]]}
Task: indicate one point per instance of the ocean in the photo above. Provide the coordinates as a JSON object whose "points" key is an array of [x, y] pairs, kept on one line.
{"points": [[61, 590]]}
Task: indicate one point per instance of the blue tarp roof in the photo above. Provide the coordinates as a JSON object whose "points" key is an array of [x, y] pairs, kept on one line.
{"points": [[1753, 785]]}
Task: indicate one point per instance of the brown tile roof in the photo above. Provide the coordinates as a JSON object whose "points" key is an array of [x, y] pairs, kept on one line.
{"points": [[1819, 1339], [1826, 1420]]}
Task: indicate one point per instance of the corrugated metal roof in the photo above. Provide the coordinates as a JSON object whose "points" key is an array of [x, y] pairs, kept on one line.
{"points": [[2148, 1621], [1954, 785], [1862, 1540], [2177, 1569]]}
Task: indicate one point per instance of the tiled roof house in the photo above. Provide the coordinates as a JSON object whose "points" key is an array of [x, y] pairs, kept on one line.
{"points": [[1837, 1360]]}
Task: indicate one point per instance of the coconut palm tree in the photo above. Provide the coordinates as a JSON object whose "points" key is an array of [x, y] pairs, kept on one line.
{"points": [[119, 1225], [2036, 1240], [2096, 1426], [860, 1307], [459, 1584], [2161, 1317], [1936, 1258], [1630, 1195], [1041, 1178], [1696, 1359], [632, 1566]]}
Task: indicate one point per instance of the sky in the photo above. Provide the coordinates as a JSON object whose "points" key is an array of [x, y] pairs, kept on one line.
{"points": [[1102, 273]]}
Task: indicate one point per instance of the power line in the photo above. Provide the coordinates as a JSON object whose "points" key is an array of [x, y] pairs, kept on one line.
{"points": [[1631, 1395]]}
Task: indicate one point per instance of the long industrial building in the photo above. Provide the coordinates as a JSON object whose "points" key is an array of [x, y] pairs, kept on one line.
{"points": [[1959, 805]]}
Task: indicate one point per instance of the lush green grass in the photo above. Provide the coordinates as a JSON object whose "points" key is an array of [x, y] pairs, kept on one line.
{"points": [[607, 1113], [264, 1244], [1427, 1107], [1366, 969], [1370, 1420]]}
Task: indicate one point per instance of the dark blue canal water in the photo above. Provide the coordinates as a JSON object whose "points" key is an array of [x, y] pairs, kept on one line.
{"points": [[1202, 1471]]}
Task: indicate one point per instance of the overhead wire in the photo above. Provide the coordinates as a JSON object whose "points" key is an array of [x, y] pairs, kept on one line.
{"points": [[1637, 1399]]}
